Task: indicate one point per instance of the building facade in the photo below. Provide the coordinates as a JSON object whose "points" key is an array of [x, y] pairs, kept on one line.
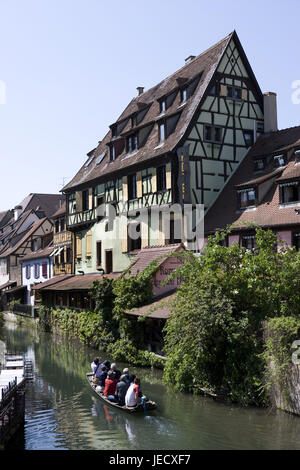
{"points": [[179, 143]]}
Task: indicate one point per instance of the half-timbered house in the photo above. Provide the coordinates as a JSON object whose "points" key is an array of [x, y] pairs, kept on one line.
{"points": [[177, 143]]}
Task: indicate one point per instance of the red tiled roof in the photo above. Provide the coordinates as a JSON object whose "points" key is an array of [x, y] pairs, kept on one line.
{"points": [[73, 282], [159, 308], [146, 255], [269, 212], [44, 253]]}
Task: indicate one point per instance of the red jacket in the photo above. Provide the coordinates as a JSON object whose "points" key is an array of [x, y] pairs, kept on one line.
{"points": [[110, 387]]}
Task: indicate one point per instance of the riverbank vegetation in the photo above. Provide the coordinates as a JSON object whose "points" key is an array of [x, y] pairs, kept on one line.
{"points": [[214, 338]]}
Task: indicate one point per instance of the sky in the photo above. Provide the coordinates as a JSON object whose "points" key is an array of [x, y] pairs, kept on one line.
{"points": [[68, 68]]}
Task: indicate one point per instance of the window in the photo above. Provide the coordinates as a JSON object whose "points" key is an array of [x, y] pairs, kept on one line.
{"points": [[161, 178], [112, 153], [175, 229], [289, 192], [296, 240], [249, 137], [249, 242], [99, 253], [162, 132], [212, 134], [44, 269], [259, 126], [213, 91], [259, 164], [183, 94], [132, 143], [246, 198], [134, 236], [297, 156], [279, 160], [28, 271], [68, 254], [132, 189], [85, 200], [147, 181], [162, 106], [234, 92], [36, 270]]}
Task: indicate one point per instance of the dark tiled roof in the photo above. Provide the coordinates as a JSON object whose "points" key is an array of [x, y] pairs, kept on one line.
{"points": [[61, 211], [149, 254], [204, 64], [269, 212], [27, 235], [46, 203]]}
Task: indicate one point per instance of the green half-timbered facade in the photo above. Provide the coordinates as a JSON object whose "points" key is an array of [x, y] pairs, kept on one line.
{"points": [[204, 117]]}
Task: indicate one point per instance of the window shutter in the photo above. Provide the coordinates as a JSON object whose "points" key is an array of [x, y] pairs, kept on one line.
{"points": [[88, 239], [124, 237], [223, 90], [168, 176], [125, 188], [139, 184], [78, 201], [90, 198], [154, 184], [78, 246], [144, 234], [244, 94]]}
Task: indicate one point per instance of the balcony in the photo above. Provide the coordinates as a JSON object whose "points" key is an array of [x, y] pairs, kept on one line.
{"points": [[81, 218]]}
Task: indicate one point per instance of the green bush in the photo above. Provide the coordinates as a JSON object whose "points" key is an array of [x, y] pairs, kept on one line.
{"points": [[214, 338]]}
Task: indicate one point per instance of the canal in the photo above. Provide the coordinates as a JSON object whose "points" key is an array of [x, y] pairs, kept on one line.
{"points": [[62, 412]]}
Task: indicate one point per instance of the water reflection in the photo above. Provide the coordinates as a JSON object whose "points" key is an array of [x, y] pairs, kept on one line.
{"points": [[62, 412]]}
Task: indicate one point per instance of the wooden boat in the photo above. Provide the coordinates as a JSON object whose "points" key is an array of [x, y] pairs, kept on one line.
{"points": [[149, 405]]}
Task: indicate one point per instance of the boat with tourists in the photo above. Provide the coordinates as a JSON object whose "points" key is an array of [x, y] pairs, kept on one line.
{"points": [[142, 407]]}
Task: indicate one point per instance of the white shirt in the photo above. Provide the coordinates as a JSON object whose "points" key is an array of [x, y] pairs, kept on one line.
{"points": [[130, 396], [93, 366]]}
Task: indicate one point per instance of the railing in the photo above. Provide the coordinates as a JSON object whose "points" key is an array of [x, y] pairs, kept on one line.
{"points": [[81, 217], [27, 310]]}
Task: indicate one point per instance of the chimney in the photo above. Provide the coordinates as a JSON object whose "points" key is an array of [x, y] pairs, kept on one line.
{"points": [[17, 212], [189, 59], [270, 112], [140, 90]]}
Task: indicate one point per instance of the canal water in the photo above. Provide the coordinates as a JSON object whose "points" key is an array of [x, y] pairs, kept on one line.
{"points": [[62, 412]]}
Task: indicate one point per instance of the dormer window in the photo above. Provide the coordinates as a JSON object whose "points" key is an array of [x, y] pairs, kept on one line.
{"points": [[183, 95], [297, 156], [112, 154], [259, 164], [132, 143], [162, 106], [162, 132], [279, 160], [246, 198], [289, 192]]}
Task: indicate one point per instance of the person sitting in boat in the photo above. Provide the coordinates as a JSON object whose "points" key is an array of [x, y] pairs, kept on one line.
{"points": [[121, 389], [132, 397], [127, 376], [101, 376], [110, 384], [113, 367], [94, 364], [105, 363]]}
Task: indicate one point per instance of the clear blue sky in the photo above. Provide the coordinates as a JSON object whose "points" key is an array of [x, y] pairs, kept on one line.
{"points": [[70, 67]]}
